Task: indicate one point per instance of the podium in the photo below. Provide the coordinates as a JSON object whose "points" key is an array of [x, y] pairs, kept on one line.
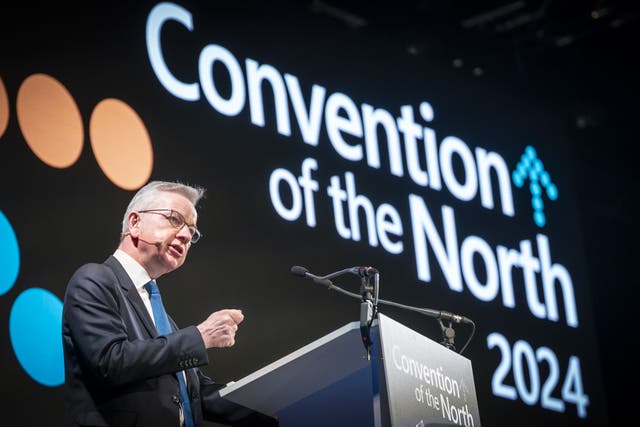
{"points": [[409, 380]]}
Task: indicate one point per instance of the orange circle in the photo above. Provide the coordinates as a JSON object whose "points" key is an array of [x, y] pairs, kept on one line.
{"points": [[4, 108], [50, 120], [121, 144]]}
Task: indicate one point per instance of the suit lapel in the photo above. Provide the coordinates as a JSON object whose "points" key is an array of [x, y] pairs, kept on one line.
{"points": [[131, 294]]}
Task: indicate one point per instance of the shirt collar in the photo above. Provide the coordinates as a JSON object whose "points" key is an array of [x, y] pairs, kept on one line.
{"points": [[135, 271]]}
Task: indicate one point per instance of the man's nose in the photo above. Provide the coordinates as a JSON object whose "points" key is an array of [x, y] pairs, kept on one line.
{"points": [[184, 234]]}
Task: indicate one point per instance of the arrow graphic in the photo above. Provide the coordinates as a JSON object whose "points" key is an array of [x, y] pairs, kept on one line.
{"points": [[530, 167]]}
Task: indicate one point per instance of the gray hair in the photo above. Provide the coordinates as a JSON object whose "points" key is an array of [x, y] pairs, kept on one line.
{"points": [[143, 198]]}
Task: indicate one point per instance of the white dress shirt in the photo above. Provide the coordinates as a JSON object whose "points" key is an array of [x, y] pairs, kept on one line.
{"points": [[138, 276]]}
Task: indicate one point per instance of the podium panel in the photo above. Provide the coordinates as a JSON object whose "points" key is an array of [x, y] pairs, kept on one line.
{"points": [[346, 403], [409, 381], [327, 382], [427, 384]]}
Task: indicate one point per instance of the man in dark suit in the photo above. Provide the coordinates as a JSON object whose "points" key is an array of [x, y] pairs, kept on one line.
{"points": [[119, 371]]}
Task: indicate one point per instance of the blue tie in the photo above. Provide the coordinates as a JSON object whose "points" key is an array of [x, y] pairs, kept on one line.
{"points": [[164, 328]]}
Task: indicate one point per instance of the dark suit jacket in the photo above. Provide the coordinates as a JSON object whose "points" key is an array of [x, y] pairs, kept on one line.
{"points": [[118, 371]]}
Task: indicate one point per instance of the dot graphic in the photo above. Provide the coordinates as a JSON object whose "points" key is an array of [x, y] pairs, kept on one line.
{"points": [[535, 189], [52, 127], [4, 108], [531, 152], [539, 218], [531, 167], [537, 203], [9, 255], [545, 179], [538, 166], [50, 120], [35, 328], [517, 178], [121, 144]]}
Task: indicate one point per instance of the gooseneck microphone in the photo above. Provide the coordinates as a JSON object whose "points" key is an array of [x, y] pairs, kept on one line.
{"points": [[297, 270], [368, 294], [300, 271]]}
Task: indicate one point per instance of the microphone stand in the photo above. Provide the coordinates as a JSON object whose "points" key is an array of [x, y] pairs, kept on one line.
{"points": [[368, 307]]}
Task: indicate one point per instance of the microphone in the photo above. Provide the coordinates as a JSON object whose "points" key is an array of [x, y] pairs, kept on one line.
{"points": [[299, 271], [368, 308], [156, 244], [445, 315]]}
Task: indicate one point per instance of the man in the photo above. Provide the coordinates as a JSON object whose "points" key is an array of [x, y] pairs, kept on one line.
{"points": [[126, 362]]}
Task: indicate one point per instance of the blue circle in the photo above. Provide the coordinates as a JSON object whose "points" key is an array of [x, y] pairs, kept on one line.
{"points": [[538, 166], [533, 174], [9, 255], [530, 152], [537, 203], [517, 178], [539, 218], [524, 161], [552, 191], [535, 189], [35, 328], [545, 179]]}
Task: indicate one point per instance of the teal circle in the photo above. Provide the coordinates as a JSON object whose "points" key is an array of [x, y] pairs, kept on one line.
{"points": [[552, 191], [539, 218], [9, 255], [517, 178], [538, 166], [35, 329], [537, 203], [535, 189], [545, 179]]}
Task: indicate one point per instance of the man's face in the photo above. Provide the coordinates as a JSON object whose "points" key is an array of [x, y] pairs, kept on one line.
{"points": [[161, 246]]}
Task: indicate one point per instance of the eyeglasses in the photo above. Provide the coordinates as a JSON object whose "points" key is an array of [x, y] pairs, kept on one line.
{"points": [[177, 221]]}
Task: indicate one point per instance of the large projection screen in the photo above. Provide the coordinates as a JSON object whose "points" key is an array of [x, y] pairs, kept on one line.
{"points": [[320, 144]]}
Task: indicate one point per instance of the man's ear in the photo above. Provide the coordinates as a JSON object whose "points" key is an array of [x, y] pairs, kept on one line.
{"points": [[133, 221]]}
